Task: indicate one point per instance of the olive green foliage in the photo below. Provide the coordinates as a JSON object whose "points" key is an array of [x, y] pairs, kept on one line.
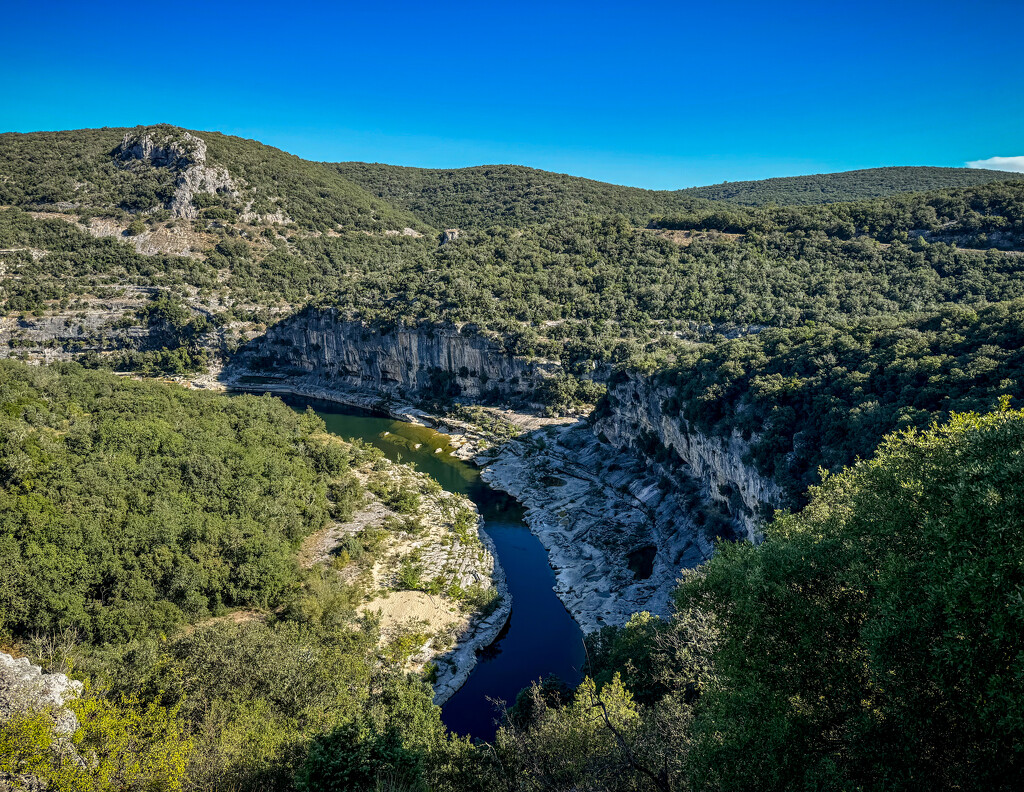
{"points": [[254, 693], [390, 743], [516, 196], [634, 652], [179, 333], [876, 639], [595, 741], [847, 186], [120, 744], [872, 642], [151, 362], [314, 267], [129, 506], [77, 264], [985, 216], [410, 574], [584, 284], [507, 195], [44, 168], [599, 290], [819, 397], [626, 727], [312, 194]]}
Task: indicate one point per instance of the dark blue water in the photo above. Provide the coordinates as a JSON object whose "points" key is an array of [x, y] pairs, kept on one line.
{"points": [[541, 637]]}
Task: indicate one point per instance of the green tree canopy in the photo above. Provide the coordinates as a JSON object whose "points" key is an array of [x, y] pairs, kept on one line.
{"points": [[876, 639]]}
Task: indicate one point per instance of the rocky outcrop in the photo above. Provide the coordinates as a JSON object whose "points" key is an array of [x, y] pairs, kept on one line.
{"points": [[183, 153], [625, 502], [635, 418], [25, 688], [617, 530], [321, 350], [455, 666], [52, 338]]}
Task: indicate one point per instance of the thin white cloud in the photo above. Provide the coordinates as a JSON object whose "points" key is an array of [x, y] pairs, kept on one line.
{"points": [[1015, 164]]}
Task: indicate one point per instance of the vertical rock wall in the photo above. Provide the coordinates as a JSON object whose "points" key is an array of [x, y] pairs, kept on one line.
{"points": [[327, 351], [636, 414]]}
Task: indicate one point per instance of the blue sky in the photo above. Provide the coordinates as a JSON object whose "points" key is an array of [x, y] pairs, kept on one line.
{"points": [[659, 95]]}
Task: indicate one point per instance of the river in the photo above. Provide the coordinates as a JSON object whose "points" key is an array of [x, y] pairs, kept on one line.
{"points": [[541, 638]]}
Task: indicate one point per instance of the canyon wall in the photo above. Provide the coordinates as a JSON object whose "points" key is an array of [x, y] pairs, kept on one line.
{"points": [[622, 502], [321, 350], [625, 501], [635, 416], [617, 529]]}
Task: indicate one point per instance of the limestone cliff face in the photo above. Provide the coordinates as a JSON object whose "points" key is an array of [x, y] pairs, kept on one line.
{"points": [[319, 347], [617, 529], [52, 338], [636, 415]]}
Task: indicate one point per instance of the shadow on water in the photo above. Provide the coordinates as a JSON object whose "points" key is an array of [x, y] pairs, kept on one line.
{"points": [[540, 638]]}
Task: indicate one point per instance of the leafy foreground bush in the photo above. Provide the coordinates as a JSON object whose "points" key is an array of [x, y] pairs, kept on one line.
{"points": [[119, 745], [876, 639]]}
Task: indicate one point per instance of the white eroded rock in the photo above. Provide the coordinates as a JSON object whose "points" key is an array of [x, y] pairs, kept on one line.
{"points": [[26, 688]]}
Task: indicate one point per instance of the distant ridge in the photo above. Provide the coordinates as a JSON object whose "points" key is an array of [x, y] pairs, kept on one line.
{"points": [[516, 195], [80, 170], [853, 185]]}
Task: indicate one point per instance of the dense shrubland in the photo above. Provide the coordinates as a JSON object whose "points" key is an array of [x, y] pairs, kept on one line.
{"points": [[583, 289], [45, 168], [506, 195], [872, 642], [76, 264], [129, 507], [820, 397], [515, 196], [76, 167], [982, 217], [148, 544]]}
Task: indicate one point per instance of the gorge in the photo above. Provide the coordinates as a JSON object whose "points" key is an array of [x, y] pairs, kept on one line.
{"points": [[621, 502], [668, 446]]}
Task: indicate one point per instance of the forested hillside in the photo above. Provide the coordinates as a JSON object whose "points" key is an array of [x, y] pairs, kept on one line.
{"points": [[506, 195], [855, 185], [512, 195], [149, 544], [821, 397], [801, 663], [580, 289], [128, 507], [84, 171]]}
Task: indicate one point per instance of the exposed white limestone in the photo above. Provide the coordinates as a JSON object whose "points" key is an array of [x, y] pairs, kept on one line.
{"points": [[594, 508], [637, 411], [329, 351], [26, 688]]}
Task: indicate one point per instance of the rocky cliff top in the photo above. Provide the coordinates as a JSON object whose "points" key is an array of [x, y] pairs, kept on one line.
{"points": [[182, 152], [26, 688], [162, 148]]}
